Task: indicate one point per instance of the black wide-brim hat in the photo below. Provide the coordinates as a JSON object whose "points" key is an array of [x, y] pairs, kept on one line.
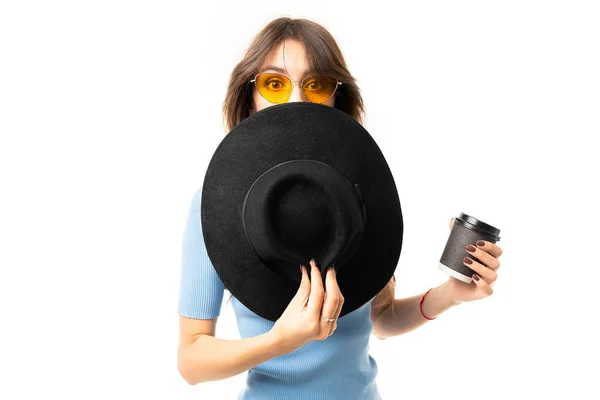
{"points": [[296, 181]]}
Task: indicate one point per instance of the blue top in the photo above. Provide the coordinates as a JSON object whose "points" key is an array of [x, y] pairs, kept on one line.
{"points": [[337, 368]]}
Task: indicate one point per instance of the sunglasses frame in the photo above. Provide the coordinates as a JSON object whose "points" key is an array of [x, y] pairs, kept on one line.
{"points": [[338, 83]]}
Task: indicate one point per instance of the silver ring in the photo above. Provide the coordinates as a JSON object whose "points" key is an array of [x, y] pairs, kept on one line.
{"points": [[328, 319]]}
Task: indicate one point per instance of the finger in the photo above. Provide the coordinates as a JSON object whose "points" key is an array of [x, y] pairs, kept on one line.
{"points": [[487, 274], [451, 223], [336, 287], [483, 285], [340, 303], [304, 289], [489, 247], [486, 259], [315, 301], [332, 301]]}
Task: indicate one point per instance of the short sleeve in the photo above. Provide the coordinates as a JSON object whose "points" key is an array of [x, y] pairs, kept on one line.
{"points": [[201, 289]]}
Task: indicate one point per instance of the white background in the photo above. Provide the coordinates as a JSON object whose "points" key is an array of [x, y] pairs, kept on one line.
{"points": [[110, 112]]}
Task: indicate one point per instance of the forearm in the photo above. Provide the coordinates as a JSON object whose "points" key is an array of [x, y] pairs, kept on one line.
{"points": [[210, 359], [404, 315]]}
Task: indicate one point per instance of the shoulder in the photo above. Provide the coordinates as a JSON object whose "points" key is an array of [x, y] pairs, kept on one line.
{"points": [[197, 197], [194, 204]]}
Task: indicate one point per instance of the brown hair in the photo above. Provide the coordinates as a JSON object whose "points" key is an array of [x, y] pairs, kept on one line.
{"points": [[323, 55]]}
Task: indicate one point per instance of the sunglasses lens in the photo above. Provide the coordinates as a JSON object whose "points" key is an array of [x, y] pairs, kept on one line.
{"points": [[274, 88], [318, 88]]}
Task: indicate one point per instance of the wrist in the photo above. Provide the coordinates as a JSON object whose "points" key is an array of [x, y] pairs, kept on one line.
{"points": [[436, 301], [280, 345], [444, 290]]}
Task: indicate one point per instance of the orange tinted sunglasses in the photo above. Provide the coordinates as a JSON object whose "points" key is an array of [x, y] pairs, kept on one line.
{"points": [[277, 88]]}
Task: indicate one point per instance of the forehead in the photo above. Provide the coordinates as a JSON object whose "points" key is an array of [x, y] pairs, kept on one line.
{"points": [[294, 56]]}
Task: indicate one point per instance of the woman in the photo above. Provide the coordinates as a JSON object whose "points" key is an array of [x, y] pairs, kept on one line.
{"points": [[294, 357]]}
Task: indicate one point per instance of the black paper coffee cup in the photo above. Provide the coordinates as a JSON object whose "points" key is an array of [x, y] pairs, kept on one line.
{"points": [[467, 230]]}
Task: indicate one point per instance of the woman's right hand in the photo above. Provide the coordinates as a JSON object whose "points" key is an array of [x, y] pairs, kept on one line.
{"points": [[303, 322]]}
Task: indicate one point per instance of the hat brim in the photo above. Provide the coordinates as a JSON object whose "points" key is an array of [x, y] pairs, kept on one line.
{"points": [[293, 131]]}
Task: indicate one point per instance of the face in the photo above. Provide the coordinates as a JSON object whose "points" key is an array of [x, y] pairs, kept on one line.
{"points": [[295, 66]]}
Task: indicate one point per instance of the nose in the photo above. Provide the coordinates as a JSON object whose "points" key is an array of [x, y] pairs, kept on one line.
{"points": [[296, 94]]}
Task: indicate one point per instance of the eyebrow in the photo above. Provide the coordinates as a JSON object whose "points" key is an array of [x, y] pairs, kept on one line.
{"points": [[282, 71]]}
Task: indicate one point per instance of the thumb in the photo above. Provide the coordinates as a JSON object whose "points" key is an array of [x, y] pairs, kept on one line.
{"points": [[303, 293], [304, 289], [483, 285], [451, 223]]}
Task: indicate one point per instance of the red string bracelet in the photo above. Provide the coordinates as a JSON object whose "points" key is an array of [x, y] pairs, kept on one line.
{"points": [[421, 306]]}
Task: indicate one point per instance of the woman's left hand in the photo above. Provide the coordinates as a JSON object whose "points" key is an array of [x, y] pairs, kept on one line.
{"points": [[488, 253]]}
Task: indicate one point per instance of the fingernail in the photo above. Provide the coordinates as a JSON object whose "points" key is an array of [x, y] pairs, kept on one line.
{"points": [[470, 248], [301, 270], [480, 243], [313, 262], [468, 260], [476, 277]]}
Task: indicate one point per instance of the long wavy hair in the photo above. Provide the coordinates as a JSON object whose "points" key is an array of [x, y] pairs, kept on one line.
{"points": [[323, 55]]}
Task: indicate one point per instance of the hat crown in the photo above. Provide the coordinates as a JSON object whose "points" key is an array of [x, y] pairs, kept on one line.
{"points": [[301, 216], [303, 209]]}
